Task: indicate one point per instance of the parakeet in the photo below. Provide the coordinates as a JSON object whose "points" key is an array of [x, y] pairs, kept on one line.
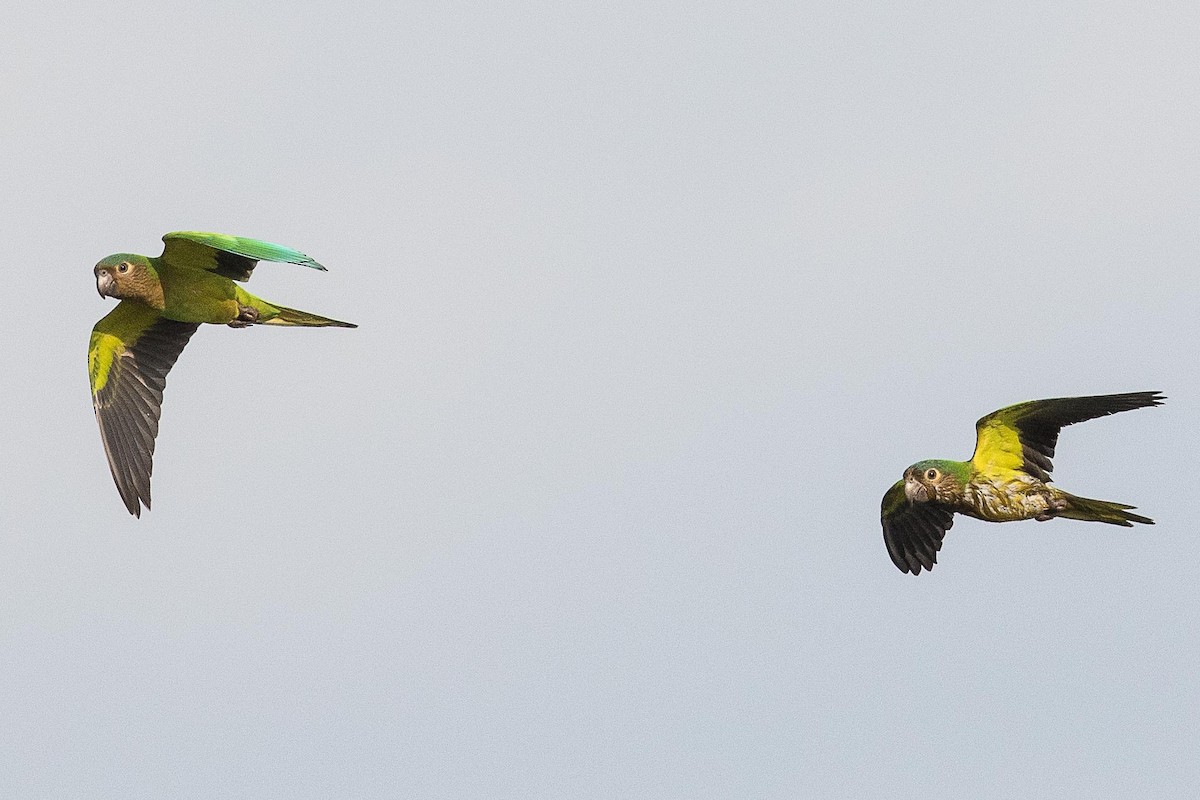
{"points": [[1008, 478], [162, 302]]}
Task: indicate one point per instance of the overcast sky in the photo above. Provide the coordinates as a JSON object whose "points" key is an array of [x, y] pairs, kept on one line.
{"points": [[656, 301]]}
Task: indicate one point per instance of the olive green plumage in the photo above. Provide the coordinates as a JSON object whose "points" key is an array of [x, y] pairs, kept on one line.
{"points": [[163, 301], [1006, 479]]}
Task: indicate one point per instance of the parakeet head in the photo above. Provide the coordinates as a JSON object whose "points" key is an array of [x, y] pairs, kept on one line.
{"points": [[126, 276], [936, 480]]}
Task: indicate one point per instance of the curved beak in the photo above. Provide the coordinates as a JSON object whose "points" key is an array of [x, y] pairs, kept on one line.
{"points": [[915, 491], [105, 283]]}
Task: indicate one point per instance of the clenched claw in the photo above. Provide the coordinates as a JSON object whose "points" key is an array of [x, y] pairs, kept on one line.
{"points": [[1057, 506], [247, 316]]}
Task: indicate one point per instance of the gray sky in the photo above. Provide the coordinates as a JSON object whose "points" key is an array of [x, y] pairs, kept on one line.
{"points": [[656, 302]]}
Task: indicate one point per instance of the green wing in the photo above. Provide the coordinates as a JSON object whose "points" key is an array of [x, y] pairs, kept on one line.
{"points": [[231, 256], [1023, 437], [913, 532], [132, 349]]}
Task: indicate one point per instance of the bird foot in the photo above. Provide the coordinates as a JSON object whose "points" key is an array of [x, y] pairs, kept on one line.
{"points": [[1057, 506], [247, 316]]}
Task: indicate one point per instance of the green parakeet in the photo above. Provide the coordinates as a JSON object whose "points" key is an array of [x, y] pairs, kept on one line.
{"points": [[162, 302], [1008, 478]]}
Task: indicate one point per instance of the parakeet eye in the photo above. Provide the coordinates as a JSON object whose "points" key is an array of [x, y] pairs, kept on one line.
{"points": [[122, 268], [931, 475]]}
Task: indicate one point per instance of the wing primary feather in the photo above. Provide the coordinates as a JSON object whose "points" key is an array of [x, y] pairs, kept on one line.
{"points": [[232, 256], [129, 402], [1024, 436], [913, 532]]}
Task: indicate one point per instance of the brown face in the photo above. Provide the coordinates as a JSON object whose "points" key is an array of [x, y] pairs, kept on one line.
{"points": [[923, 483], [128, 279], [111, 279]]}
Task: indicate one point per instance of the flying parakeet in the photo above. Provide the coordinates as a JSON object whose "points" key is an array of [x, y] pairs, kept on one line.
{"points": [[1008, 478], [163, 301]]}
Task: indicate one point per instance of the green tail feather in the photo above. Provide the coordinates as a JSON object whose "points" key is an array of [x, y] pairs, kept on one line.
{"points": [[1090, 510], [290, 316]]}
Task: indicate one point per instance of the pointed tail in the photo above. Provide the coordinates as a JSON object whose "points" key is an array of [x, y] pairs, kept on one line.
{"points": [[1090, 510], [290, 316]]}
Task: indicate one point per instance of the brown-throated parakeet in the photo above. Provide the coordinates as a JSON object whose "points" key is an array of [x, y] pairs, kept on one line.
{"points": [[163, 301], [1007, 478]]}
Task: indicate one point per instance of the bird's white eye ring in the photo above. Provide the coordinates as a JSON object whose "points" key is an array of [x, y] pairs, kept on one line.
{"points": [[122, 268], [932, 475]]}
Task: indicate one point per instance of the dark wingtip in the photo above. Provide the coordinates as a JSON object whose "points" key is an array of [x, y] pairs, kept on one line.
{"points": [[1132, 400], [1128, 401], [1147, 399], [1152, 398], [134, 500]]}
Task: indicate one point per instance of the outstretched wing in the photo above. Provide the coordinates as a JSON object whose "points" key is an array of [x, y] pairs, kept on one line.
{"points": [[131, 351], [913, 531], [231, 256], [1022, 437]]}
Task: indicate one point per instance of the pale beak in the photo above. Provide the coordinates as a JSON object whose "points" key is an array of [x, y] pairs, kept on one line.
{"points": [[105, 283], [915, 491]]}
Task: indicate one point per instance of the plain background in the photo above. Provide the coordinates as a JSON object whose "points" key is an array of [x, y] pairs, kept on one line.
{"points": [[656, 300]]}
